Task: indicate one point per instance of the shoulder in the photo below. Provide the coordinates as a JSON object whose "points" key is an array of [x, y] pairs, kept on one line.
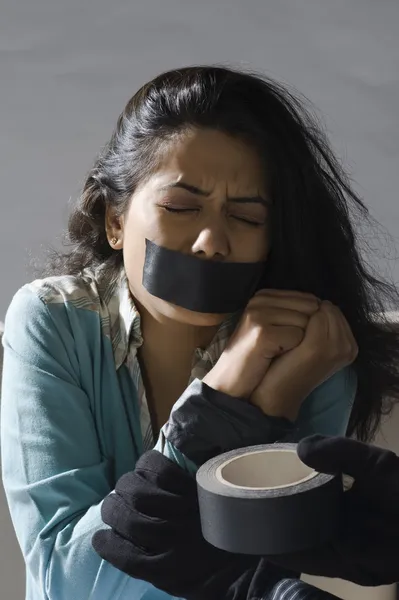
{"points": [[59, 304], [90, 290], [82, 291]]}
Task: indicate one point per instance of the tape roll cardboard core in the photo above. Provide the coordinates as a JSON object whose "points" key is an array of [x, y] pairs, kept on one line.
{"points": [[265, 470]]}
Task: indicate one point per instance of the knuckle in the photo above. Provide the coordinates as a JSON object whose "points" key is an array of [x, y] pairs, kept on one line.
{"points": [[272, 341], [252, 316], [255, 304], [344, 355], [354, 352]]}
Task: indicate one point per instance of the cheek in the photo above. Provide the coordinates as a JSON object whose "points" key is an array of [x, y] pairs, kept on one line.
{"points": [[262, 248], [266, 244], [133, 259], [139, 225], [252, 247], [158, 227], [134, 236]]}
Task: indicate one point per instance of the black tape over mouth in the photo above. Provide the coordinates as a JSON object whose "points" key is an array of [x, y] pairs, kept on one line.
{"points": [[200, 285]]}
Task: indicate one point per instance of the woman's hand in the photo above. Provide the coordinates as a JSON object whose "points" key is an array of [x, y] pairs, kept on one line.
{"points": [[273, 323], [327, 347]]}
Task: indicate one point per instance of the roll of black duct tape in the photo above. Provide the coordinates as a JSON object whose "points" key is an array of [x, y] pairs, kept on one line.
{"points": [[264, 500]]}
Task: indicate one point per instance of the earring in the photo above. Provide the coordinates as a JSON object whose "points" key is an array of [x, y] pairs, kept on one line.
{"points": [[114, 241]]}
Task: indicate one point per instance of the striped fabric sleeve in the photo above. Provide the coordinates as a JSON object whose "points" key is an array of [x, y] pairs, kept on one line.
{"points": [[294, 589]]}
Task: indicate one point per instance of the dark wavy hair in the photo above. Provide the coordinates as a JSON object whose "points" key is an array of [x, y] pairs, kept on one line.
{"points": [[314, 242]]}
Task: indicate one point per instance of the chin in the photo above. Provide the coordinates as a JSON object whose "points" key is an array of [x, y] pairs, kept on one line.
{"points": [[188, 317], [163, 311]]}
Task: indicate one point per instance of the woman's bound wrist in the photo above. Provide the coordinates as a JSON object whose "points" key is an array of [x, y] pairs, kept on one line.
{"points": [[222, 385], [237, 381]]}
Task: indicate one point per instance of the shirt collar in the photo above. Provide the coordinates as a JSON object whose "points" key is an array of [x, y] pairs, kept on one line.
{"points": [[123, 318], [212, 353], [125, 324]]}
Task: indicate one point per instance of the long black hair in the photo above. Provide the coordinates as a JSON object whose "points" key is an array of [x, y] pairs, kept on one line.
{"points": [[314, 242]]}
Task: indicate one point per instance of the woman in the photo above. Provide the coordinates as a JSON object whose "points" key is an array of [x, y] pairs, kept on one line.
{"points": [[215, 270]]}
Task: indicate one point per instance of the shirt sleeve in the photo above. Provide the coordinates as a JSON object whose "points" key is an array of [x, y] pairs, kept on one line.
{"points": [[327, 409], [294, 589], [54, 474]]}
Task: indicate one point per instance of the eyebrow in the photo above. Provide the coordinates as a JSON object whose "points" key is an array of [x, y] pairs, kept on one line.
{"points": [[198, 192]]}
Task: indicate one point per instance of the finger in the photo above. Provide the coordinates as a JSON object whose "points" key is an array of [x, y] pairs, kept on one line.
{"points": [[345, 455], [124, 555], [333, 328], [286, 339], [318, 328], [168, 481], [348, 334], [284, 316], [172, 571], [333, 454], [136, 527], [286, 294], [307, 306], [339, 332], [337, 321]]}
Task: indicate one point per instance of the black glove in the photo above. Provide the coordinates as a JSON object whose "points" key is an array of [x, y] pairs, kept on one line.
{"points": [[156, 536], [366, 549]]}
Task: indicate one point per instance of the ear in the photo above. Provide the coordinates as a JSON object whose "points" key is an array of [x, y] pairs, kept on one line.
{"points": [[114, 227]]}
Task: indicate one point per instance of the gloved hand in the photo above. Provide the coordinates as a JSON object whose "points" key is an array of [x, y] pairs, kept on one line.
{"points": [[156, 536], [366, 549]]}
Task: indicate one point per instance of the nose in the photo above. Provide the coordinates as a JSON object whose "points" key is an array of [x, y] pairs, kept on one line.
{"points": [[212, 243]]}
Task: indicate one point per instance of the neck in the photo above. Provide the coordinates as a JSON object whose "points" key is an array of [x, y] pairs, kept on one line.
{"points": [[166, 359], [173, 337]]}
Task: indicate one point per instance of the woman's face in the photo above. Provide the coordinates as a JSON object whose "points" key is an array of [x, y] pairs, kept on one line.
{"points": [[208, 198]]}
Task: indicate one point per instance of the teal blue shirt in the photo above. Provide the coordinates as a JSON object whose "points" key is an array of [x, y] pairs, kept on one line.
{"points": [[70, 427]]}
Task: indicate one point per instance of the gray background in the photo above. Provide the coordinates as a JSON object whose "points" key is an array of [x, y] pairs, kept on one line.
{"points": [[68, 67]]}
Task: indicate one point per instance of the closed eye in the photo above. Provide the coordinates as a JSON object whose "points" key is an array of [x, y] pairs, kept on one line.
{"points": [[179, 210], [245, 220], [248, 221]]}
